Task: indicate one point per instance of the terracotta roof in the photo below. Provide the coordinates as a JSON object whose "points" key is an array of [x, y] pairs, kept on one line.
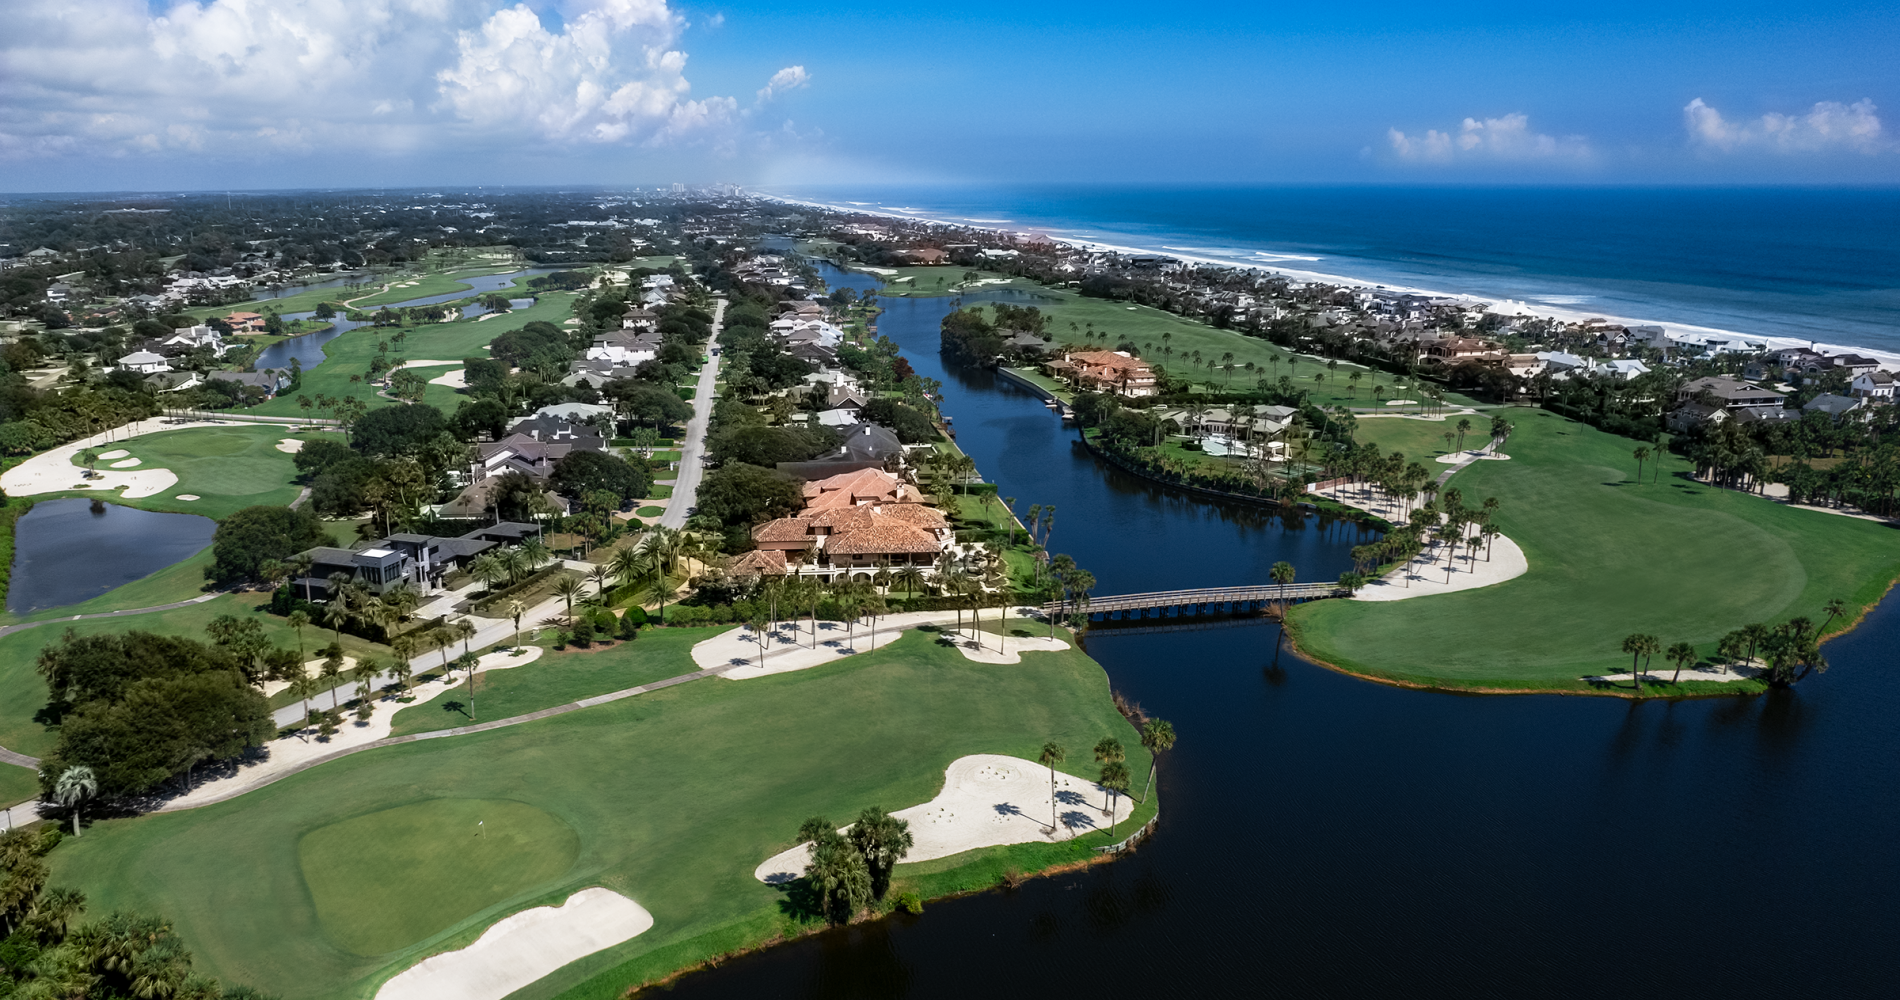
{"points": [[783, 529], [882, 539], [759, 562]]}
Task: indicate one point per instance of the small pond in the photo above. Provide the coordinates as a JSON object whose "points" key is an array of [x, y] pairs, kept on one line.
{"points": [[65, 552]]}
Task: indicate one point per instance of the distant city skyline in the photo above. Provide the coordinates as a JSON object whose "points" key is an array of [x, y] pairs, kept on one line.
{"points": [[130, 95]]}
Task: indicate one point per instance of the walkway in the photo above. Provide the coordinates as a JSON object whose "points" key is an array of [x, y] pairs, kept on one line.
{"points": [[23, 626], [693, 449], [1264, 593]]}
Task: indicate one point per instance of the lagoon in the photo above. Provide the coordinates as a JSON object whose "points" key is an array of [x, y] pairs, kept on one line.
{"points": [[68, 551]]}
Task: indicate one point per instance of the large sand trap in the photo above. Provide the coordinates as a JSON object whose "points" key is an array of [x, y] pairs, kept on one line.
{"points": [[1425, 575], [52, 471], [987, 800], [457, 379], [790, 649], [424, 363], [1662, 673], [127, 463], [114, 453], [290, 446], [522, 948]]}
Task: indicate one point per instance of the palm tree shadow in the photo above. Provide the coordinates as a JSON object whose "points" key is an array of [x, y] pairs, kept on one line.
{"points": [[799, 900], [456, 706]]}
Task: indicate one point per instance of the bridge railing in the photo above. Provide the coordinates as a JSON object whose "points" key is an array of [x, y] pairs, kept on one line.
{"points": [[1258, 593]]}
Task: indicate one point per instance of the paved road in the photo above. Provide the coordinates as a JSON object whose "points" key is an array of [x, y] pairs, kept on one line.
{"points": [[692, 452], [10, 629]]}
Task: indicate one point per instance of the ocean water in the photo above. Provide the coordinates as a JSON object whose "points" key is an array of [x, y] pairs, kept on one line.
{"points": [[1811, 264]]}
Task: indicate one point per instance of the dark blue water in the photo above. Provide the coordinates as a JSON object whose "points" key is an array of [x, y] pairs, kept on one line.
{"points": [[1326, 837], [1806, 263], [65, 552]]}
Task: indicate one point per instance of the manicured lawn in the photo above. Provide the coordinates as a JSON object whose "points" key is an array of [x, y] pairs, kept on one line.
{"points": [[660, 493], [18, 784], [1422, 440], [23, 693], [450, 856], [228, 468], [350, 354], [558, 678], [650, 511], [1608, 557], [418, 286], [673, 798], [928, 281], [304, 301]]}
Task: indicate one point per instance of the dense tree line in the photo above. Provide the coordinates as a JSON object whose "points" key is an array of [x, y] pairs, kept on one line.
{"points": [[139, 709]]}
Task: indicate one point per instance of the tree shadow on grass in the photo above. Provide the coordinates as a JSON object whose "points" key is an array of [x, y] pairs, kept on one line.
{"points": [[456, 707], [799, 900]]}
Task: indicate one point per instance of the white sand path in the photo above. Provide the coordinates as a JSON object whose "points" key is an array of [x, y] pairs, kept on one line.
{"points": [[291, 752], [457, 379], [790, 645], [290, 446], [522, 948], [987, 800], [1426, 574]]}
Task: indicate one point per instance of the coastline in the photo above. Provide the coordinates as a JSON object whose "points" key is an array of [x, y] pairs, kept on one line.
{"points": [[1889, 360]]}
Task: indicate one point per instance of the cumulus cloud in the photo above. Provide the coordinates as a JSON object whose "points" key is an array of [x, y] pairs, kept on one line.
{"points": [[1829, 126], [789, 78], [1505, 139], [257, 78]]}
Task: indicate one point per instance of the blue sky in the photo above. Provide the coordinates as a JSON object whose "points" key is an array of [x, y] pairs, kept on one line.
{"points": [[128, 94]]}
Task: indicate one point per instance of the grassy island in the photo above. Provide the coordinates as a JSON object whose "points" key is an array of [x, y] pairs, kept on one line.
{"points": [[1608, 557], [330, 882]]}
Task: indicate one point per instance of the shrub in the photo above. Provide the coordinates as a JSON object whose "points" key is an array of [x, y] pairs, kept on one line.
{"points": [[910, 902], [636, 614]]}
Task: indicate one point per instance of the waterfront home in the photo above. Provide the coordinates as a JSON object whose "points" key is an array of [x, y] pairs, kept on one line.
{"points": [[1874, 386], [190, 337], [1730, 392], [421, 561], [1106, 371], [866, 446], [1832, 405], [272, 380], [849, 541], [1622, 369], [1853, 364], [246, 322], [853, 489], [173, 381]]}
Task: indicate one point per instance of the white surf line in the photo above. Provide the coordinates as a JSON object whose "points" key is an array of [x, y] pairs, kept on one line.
{"points": [[522, 948], [1888, 359]]}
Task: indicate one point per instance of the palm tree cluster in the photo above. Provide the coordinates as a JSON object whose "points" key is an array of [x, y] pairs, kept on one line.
{"points": [[851, 870], [509, 565], [1789, 651], [1442, 521], [351, 601]]}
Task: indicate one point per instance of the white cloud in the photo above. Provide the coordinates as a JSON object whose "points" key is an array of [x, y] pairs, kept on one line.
{"points": [[1505, 139], [254, 79], [789, 78], [1827, 127]]}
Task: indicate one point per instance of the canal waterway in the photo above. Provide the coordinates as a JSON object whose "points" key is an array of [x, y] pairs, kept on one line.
{"points": [[1321, 836], [65, 551]]}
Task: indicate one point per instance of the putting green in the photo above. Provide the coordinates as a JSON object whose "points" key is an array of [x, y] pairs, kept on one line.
{"points": [[391, 878]]}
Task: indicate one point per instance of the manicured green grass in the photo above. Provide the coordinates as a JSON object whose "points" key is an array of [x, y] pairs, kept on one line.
{"points": [[304, 301], [386, 880], [558, 678], [18, 784], [23, 694], [1608, 557], [931, 281], [650, 511], [1421, 440], [660, 493], [674, 797], [416, 286], [228, 468], [350, 354]]}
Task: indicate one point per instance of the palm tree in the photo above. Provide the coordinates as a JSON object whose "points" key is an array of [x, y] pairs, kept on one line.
{"points": [[882, 840], [1835, 608], [1634, 644], [599, 576], [512, 562], [1158, 736], [330, 670], [535, 554], [570, 587], [1108, 750], [627, 566], [365, 676], [76, 785], [1115, 780], [299, 620], [757, 624], [1282, 574], [1052, 754], [300, 568], [514, 611], [336, 612], [1641, 455], [1464, 427], [910, 578], [402, 671], [1682, 653], [463, 630], [489, 569]]}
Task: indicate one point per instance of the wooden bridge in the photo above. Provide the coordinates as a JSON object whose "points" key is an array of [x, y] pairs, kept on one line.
{"points": [[1206, 600]]}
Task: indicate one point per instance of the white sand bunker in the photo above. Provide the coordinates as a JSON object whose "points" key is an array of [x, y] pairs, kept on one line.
{"points": [[183, 496], [1460, 457], [126, 463], [789, 647], [522, 948], [423, 363], [114, 453], [290, 446], [987, 800], [457, 379]]}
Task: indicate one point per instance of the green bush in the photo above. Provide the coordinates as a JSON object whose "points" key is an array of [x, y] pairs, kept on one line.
{"points": [[636, 614], [910, 902]]}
